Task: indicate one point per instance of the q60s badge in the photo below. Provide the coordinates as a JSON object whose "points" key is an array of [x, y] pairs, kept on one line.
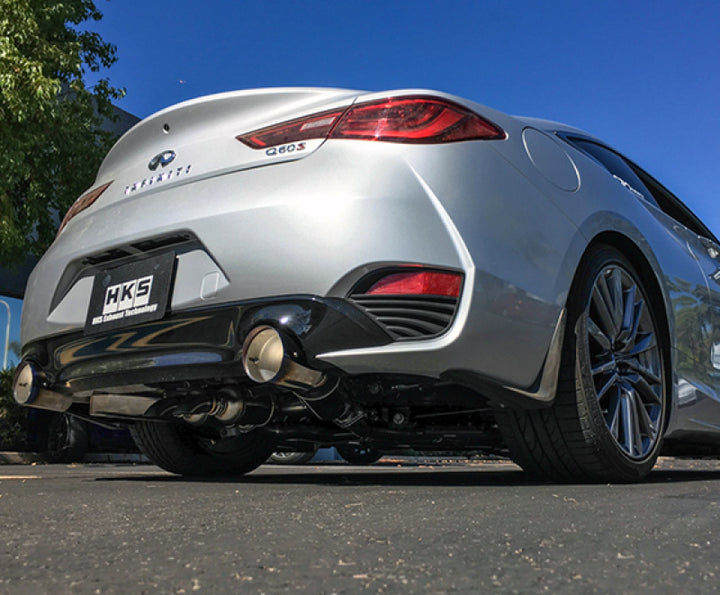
{"points": [[284, 149]]}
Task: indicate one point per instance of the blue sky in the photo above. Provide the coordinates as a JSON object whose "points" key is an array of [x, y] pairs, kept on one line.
{"points": [[643, 76]]}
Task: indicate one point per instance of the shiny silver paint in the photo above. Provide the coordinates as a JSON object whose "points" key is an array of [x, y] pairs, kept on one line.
{"points": [[516, 216]]}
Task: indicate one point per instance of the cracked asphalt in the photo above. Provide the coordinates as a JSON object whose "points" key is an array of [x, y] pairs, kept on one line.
{"points": [[439, 526]]}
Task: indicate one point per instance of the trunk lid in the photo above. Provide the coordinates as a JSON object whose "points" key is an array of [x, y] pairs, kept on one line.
{"points": [[196, 139]]}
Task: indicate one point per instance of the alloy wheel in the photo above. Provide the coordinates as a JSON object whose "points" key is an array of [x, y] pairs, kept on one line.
{"points": [[625, 361]]}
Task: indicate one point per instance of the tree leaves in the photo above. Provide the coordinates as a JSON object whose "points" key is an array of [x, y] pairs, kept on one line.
{"points": [[51, 140]]}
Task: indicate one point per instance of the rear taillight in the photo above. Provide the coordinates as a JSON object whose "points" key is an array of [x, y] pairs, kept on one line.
{"points": [[420, 120], [414, 120], [418, 283], [315, 126], [83, 203]]}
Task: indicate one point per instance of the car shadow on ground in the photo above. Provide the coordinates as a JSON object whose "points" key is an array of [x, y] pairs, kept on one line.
{"points": [[438, 477]]}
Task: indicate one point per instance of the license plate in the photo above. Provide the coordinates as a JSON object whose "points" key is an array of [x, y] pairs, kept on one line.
{"points": [[130, 294]]}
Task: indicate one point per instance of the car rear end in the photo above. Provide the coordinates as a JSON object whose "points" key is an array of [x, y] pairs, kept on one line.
{"points": [[222, 221], [246, 259]]}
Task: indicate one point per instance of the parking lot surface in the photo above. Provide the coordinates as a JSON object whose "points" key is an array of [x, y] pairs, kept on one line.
{"points": [[437, 526]]}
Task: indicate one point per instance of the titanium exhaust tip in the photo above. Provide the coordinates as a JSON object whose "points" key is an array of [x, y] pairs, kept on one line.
{"points": [[28, 390], [25, 384], [265, 359]]}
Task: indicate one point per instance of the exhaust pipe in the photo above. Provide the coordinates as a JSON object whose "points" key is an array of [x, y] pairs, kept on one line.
{"points": [[265, 359], [28, 390]]}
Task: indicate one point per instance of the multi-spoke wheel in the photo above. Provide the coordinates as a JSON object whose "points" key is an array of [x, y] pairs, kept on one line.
{"points": [[607, 419], [625, 361], [282, 457]]}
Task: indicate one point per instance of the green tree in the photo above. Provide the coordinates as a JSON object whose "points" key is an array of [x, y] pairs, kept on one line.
{"points": [[51, 141]]}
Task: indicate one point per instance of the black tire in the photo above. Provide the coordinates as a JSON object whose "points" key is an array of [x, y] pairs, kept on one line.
{"points": [[580, 437], [183, 450], [292, 458], [358, 455], [67, 440]]}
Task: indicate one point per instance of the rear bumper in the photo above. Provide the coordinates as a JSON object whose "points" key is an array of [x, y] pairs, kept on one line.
{"points": [[200, 344], [315, 227], [311, 227]]}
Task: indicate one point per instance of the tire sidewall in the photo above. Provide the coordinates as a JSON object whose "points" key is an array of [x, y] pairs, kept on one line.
{"points": [[180, 449], [67, 439], [359, 455]]}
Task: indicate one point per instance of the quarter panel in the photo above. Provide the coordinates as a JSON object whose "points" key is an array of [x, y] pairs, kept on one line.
{"points": [[518, 242], [602, 204]]}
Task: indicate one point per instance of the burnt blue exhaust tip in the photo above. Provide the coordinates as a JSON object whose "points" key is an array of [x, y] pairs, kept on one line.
{"points": [[28, 390], [26, 383], [265, 359]]}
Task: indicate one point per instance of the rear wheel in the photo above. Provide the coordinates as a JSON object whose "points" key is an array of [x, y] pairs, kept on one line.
{"points": [[292, 458], [358, 455], [67, 440], [184, 450], [607, 419]]}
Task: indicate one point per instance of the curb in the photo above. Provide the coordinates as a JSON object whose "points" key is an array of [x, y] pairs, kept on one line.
{"points": [[30, 458], [20, 458]]}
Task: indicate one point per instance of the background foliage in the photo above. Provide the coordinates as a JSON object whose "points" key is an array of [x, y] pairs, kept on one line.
{"points": [[51, 142]]}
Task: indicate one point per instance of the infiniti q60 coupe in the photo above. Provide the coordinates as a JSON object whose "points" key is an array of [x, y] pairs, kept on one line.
{"points": [[281, 268]]}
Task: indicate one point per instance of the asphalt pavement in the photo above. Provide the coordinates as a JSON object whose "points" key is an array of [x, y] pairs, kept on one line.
{"points": [[441, 527]]}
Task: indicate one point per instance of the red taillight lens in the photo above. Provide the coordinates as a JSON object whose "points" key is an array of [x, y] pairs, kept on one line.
{"points": [[414, 120], [83, 203], [402, 120], [315, 126], [419, 283]]}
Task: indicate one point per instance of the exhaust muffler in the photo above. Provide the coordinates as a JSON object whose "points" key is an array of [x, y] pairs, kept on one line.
{"points": [[229, 407]]}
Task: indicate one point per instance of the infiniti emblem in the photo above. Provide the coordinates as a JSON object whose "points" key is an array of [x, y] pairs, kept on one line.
{"points": [[161, 159]]}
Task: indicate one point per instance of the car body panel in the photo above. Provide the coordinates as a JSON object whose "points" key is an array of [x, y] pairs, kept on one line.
{"points": [[514, 216]]}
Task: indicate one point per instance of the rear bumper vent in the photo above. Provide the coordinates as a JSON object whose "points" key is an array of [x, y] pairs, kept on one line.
{"points": [[407, 316], [136, 248]]}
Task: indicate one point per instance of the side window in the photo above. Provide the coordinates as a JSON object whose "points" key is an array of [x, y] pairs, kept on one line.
{"points": [[641, 183], [616, 165], [672, 206]]}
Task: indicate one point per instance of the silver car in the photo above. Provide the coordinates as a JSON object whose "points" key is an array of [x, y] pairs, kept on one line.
{"points": [[281, 268]]}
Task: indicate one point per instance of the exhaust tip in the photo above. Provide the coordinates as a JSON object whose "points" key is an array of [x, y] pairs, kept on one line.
{"points": [[263, 354], [26, 383], [265, 359], [28, 390]]}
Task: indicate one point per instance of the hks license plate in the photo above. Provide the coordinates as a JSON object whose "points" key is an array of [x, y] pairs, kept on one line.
{"points": [[130, 294]]}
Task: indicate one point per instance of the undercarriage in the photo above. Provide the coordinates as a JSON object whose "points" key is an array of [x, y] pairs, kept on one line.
{"points": [[384, 413]]}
